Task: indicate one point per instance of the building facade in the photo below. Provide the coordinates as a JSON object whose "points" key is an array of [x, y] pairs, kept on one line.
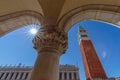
{"points": [[117, 78], [93, 67], [66, 72]]}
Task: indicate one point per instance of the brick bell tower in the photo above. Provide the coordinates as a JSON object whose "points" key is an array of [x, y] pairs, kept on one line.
{"points": [[92, 65]]}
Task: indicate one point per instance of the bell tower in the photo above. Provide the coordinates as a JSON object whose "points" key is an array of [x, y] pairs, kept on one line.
{"points": [[92, 65]]}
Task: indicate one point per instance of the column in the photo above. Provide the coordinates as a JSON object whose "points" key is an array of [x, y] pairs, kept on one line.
{"points": [[28, 78], [62, 75], [78, 76], [18, 77], [72, 75], [67, 75], [14, 75], [24, 74], [50, 42], [0, 74], [9, 75], [3, 76]]}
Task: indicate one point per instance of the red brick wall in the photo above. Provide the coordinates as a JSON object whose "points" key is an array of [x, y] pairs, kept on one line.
{"points": [[93, 67]]}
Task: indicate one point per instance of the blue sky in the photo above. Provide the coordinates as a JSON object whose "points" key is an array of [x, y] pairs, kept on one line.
{"points": [[17, 47]]}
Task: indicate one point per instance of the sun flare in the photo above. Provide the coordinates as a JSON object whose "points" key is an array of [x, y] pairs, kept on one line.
{"points": [[33, 31]]}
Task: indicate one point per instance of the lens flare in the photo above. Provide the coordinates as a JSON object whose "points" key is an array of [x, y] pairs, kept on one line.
{"points": [[33, 31]]}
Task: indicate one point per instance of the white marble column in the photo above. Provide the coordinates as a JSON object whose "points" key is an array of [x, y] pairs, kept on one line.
{"points": [[62, 75], [0, 74], [72, 75], [78, 76], [67, 75], [24, 74], [9, 75], [18, 77], [14, 75], [3, 77], [28, 78], [50, 42]]}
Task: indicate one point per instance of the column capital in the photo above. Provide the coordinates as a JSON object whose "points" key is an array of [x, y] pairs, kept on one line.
{"points": [[50, 38]]}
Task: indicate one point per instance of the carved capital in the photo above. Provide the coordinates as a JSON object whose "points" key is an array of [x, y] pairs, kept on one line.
{"points": [[50, 39]]}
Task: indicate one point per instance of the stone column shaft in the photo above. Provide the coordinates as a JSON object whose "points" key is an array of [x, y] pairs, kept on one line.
{"points": [[24, 74], [13, 77], [47, 69], [18, 77], [50, 42], [3, 76], [29, 74], [0, 74], [62, 75], [77, 75], [72, 75], [67, 75], [9, 76]]}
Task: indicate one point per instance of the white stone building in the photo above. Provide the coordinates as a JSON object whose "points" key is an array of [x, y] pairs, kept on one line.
{"points": [[117, 78], [66, 72]]}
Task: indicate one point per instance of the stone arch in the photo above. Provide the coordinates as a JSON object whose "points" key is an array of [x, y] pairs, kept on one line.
{"points": [[106, 13], [16, 20]]}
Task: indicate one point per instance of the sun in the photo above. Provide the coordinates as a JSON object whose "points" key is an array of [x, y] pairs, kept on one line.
{"points": [[33, 31]]}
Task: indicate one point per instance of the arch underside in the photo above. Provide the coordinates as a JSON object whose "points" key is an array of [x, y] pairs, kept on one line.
{"points": [[16, 20], [105, 13], [103, 16]]}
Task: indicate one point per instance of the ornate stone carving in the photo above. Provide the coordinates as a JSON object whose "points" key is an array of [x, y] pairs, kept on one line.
{"points": [[50, 38]]}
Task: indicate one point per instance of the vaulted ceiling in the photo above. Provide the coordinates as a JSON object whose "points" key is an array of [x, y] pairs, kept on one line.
{"points": [[48, 9]]}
